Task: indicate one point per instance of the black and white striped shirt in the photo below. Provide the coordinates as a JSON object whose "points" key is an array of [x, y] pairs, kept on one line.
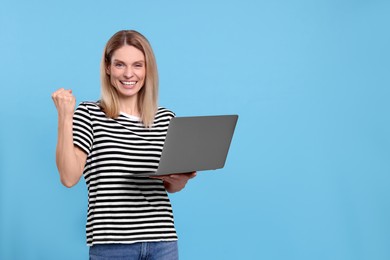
{"points": [[123, 208]]}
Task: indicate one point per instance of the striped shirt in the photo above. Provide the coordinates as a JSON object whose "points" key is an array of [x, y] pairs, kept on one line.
{"points": [[123, 208]]}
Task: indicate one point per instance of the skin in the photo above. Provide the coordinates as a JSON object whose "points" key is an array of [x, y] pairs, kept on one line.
{"points": [[127, 65], [70, 159], [127, 73]]}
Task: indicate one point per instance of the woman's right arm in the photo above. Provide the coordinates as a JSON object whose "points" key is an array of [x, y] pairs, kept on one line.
{"points": [[70, 159]]}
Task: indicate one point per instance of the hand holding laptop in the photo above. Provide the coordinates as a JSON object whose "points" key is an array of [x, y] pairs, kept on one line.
{"points": [[175, 182]]}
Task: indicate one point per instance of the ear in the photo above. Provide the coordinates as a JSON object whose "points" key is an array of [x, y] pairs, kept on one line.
{"points": [[108, 70]]}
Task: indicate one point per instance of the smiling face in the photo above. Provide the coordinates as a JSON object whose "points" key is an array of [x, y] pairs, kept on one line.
{"points": [[127, 71]]}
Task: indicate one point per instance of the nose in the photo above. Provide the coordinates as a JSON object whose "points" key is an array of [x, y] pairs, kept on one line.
{"points": [[128, 73]]}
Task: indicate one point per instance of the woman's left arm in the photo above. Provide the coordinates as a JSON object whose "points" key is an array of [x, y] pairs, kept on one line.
{"points": [[176, 182]]}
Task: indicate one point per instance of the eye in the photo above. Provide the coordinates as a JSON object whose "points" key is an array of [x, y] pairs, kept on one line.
{"points": [[119, 65], [138, 65]]}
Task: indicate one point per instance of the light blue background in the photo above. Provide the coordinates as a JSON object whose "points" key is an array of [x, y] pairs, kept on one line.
{"points": [[307, 176]]}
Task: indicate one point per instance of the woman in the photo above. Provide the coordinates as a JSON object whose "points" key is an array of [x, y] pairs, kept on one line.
{"points": [[113, 140]]}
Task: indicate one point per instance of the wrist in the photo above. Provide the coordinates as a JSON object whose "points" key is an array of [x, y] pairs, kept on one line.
{"points": [[65, 118]]}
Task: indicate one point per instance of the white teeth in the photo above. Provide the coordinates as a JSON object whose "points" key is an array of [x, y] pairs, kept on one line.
{"points": [[128, 83]]}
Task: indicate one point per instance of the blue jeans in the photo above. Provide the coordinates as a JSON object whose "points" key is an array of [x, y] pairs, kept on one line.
{"points": [[138, 251]]}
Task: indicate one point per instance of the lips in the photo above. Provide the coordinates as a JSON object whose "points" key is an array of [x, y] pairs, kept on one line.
{"points": [[129, 83]]}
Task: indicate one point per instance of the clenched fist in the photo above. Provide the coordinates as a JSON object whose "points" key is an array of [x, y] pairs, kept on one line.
{"points": [[65, 102]]}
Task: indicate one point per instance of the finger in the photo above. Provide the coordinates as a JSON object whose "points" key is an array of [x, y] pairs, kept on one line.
{"points": [[63, 99], [62, 91], [63, 95], [188, 175], [169, 178], [180, 176], [55, 93], [59, 94], [157, 178]]}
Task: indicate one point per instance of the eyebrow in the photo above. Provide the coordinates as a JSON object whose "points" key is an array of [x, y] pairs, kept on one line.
{"points": [[138, 61]]}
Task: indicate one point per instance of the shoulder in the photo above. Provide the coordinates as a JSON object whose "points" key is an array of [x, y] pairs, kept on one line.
{"points": [[164, 112], [92, 107], [89, 105], [88, 110], [163, 116]]}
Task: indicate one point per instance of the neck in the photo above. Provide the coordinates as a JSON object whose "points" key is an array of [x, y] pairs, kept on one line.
{"points": [[129, 106]]}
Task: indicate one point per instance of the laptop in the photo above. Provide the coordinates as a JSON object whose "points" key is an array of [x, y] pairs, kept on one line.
{"points": [[196, 144]]}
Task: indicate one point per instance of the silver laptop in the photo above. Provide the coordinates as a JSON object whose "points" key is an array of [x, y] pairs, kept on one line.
{"points": [[196, 144]]}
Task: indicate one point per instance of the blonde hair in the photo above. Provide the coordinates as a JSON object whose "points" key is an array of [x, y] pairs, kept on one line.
{"points": [[148, 94]]}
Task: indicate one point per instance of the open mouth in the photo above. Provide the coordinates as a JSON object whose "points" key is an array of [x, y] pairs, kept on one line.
{"points": [[129, 83]]}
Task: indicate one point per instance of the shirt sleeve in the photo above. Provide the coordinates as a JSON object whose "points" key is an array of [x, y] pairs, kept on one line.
{"points": [[82, 128]]}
